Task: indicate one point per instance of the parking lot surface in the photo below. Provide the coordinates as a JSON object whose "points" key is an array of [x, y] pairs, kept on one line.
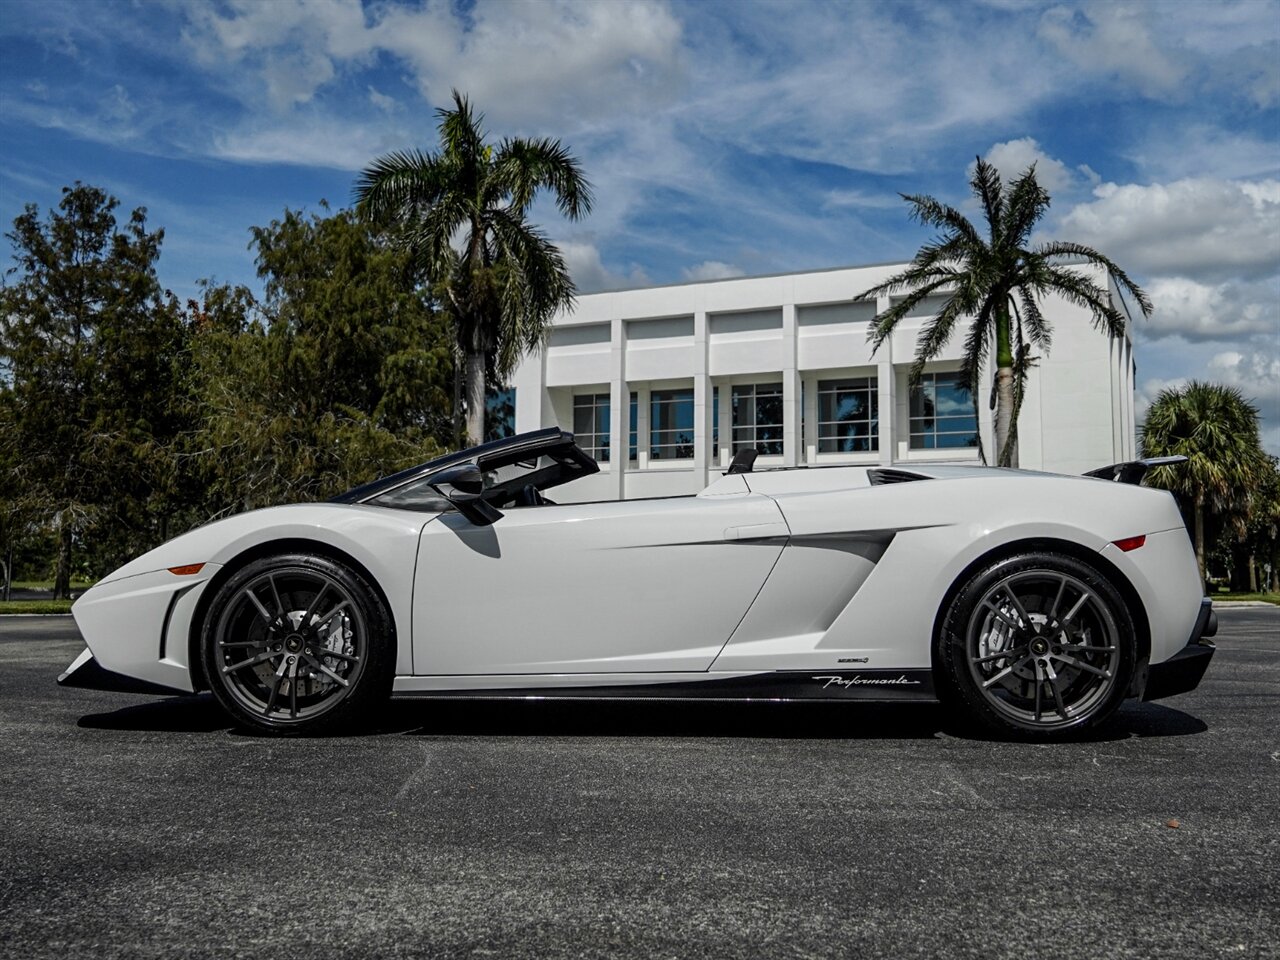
{"points": [[146, 827]]}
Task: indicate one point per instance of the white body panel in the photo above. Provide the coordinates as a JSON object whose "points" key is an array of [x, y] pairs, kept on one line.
{"points": [[793, 570], [122, 617], [933, 531], [635, 585]]}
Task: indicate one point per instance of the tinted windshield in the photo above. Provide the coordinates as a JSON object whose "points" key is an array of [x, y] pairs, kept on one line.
{"points": [[542, 459]]}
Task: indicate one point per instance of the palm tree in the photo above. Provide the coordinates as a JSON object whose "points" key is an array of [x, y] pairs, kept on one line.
{"points": [[995, 284], [1216, 428], [462, 211]]}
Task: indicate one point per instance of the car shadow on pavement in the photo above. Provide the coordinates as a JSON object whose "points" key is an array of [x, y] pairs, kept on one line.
{"points": [[649, 718], [197, 714]]}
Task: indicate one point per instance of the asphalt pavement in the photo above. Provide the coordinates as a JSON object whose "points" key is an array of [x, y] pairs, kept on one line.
{"points": [[146, 827]]}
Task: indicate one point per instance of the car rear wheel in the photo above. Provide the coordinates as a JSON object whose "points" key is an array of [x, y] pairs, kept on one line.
{"points": [[1039, 645], [298, 644]]}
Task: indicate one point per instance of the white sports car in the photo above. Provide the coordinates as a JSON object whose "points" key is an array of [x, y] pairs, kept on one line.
{"points": [[1033, 604]]}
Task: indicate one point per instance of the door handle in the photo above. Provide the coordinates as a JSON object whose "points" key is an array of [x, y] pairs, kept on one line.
{"points": [[757, 531]]}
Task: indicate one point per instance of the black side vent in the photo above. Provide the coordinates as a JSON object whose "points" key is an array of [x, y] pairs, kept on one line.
{"points": [[881, 476]]}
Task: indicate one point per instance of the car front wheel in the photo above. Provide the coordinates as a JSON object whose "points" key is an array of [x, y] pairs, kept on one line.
{"points": [[298, 644], [1039, 645]]}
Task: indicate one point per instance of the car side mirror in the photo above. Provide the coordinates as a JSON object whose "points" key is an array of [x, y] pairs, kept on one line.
{"points": [[463, 486]]}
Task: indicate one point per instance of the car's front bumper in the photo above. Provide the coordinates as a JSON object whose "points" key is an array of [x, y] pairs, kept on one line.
{"points": [[1183, 671], [87, 673]]}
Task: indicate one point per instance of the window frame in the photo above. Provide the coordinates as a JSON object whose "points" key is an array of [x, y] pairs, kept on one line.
{"points": [[915, 437], [866, 383]]}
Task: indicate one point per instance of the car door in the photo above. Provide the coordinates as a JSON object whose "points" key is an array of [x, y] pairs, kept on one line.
{"points": [[650, 586]]}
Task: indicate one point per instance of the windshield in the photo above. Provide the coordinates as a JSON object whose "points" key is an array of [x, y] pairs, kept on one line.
{"points": [[516, 467]]}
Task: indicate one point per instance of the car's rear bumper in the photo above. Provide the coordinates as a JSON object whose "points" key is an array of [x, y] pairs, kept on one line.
{"points": [[1183, 671]]}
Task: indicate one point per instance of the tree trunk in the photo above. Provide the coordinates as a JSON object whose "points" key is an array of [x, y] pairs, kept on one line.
{"points": [[1005, 453], [475, 397], [1253, 573], [1199, 521], [62, 572], [457, 400], [7, 563]]}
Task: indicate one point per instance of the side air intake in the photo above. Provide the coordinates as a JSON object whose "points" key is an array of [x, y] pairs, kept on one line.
{"points": [[883, 475]]}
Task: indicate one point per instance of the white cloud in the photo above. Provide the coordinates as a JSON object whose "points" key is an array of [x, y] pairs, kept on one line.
{"points": [[1013, 157], [1201, 311], [589, 273], [524, 62], [847, 199], [1198, 150], [116, 106], [383, 102], [1114, 39], [588, 60], [294, 46], [1201, 228], [324, 141], [711, 270], [1257, 374]]}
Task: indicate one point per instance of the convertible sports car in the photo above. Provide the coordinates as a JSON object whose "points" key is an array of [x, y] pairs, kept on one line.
{"points": [[1033, 604]]}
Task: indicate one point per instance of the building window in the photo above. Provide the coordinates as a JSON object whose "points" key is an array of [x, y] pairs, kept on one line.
{"points": [[757, 418], [848, 415], [671, 424], [500, 413], [942, 413], [591, 424]]}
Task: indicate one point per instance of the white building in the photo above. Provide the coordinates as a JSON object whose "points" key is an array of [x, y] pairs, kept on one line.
{"points": [[682, 376]]}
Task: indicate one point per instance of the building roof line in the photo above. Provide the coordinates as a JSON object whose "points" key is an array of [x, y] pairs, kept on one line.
{"points": [[754, 276]]}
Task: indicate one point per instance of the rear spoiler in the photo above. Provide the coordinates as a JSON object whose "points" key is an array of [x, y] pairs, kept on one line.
{"points": [[1132, 471]]}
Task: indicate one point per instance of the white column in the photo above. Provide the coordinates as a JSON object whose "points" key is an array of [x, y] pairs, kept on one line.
{"points": [[1130, 385], [642, 427], [791, 438], [726, 424], [618, 407], [701, 401], [529, 382], [887, 400], [887, 394], [811, 419]]}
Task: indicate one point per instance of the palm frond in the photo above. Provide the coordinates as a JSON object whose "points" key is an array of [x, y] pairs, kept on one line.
{"points": [[522, 167], [1027, 203], [883, 324], [1083, 292], [986, 185], [1067, 249], [462, 130], [1032, 319], [390, 185], [934, 213]]}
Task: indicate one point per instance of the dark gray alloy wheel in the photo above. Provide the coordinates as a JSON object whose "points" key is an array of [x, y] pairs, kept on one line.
{"points": [[1038, 644], [298, 644]]}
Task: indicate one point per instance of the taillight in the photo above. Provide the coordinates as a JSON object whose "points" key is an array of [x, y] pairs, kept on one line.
{"points": [[1130, 543]]}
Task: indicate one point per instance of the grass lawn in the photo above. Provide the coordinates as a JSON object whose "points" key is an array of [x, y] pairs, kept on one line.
{"points": [[1264, 597], [35, 606], [78, 585]]}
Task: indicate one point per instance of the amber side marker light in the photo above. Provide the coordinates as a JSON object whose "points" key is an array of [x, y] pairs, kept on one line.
{"points": [[192, 568], [1130, 543]]}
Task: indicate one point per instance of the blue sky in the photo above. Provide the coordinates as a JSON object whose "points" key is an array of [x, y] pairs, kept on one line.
{"points": [[722, 139]]}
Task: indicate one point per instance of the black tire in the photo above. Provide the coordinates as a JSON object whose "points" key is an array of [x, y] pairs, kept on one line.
{"points": [[298, 644], [1038, 645]]}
